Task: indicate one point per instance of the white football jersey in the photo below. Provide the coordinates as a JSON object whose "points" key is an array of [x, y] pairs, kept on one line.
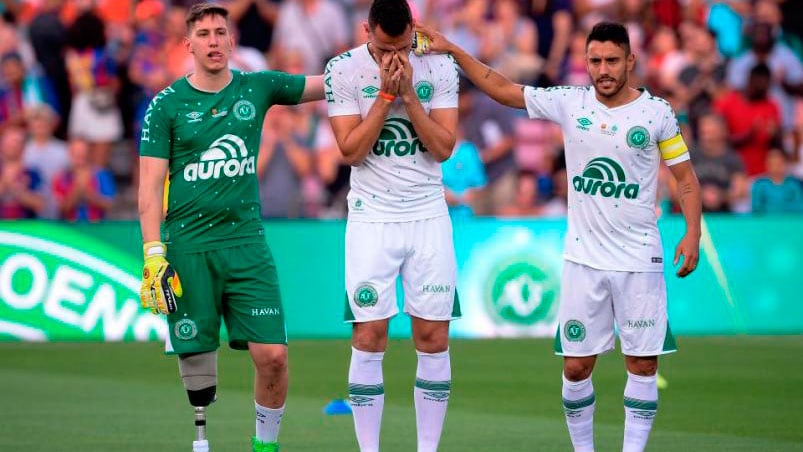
{"points": [[612, 160], [398, 180]]}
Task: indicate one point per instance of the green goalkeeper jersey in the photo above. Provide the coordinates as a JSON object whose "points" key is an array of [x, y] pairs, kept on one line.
{"points": [[211, 141]]}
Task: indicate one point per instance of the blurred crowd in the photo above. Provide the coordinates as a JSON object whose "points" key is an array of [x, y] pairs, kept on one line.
{"points": [[77, 75]]}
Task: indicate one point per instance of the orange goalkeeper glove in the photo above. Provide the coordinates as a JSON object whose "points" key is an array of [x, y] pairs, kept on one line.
{"points": [[160, 283]]}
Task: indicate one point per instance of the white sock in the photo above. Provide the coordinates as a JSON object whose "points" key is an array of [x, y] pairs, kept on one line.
{"points": [[433, 383], [578, 407], [641, 403], [268, 422], [367, 397]]}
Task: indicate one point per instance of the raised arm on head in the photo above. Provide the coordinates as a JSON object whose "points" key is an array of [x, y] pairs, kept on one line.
{"points": [[489, 81]]}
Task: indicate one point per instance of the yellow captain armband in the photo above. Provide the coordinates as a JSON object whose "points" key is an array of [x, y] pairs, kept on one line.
{"points": [[673, 147], [164, 195]]}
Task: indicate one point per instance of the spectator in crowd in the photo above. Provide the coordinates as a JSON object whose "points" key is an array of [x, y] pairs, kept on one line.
{"points": [[45, 153], [149, 40], [463, 177], [525, 202], [246, 59], [468, 26], [20, 186], [255, 20], [666, 60], [489, 126], [333, 173], [574, 71], [48, 37], [178, 62], [553, 25], [720, 171], [557, 205], [777, 191], [510, 42], [21, 89], [84, 192], [536, 142], [284, 163], [786, 69], [316, 28], [754, 120], [92, 71], [702, 79], [9, 36]]}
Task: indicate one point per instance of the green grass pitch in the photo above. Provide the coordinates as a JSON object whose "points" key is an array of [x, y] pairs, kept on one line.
{"points": [[726, 394]]}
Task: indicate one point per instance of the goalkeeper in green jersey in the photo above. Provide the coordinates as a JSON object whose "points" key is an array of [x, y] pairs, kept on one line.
{"points": [[202, 134]]}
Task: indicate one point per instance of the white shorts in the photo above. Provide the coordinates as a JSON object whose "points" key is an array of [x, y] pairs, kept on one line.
{"points": [[422, 252], [592, 300]]}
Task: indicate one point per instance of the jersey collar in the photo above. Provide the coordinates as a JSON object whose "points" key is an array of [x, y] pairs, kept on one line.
{"points": [[234, 74], [644, 94]]}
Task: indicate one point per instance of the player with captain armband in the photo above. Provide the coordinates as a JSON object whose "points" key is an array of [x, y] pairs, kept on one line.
{"points": [[615, 138]]}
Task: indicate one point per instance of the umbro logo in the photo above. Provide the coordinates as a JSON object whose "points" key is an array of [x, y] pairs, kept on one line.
{"points": [[370, 92], [584, 124], [194, 116]]}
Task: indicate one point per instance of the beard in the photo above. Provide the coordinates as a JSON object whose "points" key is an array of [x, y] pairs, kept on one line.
{"points": [[609, 91]]}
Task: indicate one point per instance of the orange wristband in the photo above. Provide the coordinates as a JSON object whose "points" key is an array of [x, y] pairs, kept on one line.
{"points": [[386, 96]]}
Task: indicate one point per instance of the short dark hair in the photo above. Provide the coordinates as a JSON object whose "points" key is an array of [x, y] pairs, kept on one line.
{"points": [[394, 16], [200, 10], [610, 31], [761, 70]]}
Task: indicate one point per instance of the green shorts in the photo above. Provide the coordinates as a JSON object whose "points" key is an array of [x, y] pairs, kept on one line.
{"points": [[238, 284]]}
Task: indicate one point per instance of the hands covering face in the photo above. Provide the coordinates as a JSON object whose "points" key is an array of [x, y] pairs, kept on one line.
{"points": [[396, 73]]}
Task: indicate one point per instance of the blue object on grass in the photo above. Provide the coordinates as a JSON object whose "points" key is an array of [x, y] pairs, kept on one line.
{"points": [[337, 406]]}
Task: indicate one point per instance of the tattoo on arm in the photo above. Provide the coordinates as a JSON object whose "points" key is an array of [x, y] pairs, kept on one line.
{"points": [[488, 74], [685, 190]]}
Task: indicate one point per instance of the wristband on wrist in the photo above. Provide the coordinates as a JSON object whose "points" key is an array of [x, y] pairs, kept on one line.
{"points": [[154, 248], [386, 96]]}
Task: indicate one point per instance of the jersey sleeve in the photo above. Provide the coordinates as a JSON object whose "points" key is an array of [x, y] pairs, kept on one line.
{"points": [[542, 103], [341, 98], [670, 141], [448, 86], [156, 137], [282, 88]]}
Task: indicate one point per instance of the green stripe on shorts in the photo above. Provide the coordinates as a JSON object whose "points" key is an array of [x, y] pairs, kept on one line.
{"points": [[456, 306], [348, 315], [669, 341], [557, 345]]}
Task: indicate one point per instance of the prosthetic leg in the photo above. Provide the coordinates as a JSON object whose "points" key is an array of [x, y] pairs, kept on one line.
{"points": [[199, 375]]}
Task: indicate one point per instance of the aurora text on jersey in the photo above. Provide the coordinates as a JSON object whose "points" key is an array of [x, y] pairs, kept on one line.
{"points": [[399, 180], [612, 160], [212, 140]]}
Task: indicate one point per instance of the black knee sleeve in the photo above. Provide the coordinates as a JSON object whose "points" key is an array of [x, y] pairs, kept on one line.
{"points": [[202, 397]]}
